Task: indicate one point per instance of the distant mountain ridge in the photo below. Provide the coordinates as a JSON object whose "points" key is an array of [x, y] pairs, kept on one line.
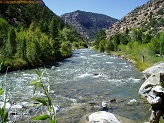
{"points": [[88, 23], [149, 17]]}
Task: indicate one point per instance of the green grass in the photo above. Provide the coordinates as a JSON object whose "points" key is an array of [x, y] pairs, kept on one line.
{"points": [[140, 65]]}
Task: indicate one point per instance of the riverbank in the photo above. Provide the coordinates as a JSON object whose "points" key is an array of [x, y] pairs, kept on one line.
{"points": [[141, 63], [15, 64]]}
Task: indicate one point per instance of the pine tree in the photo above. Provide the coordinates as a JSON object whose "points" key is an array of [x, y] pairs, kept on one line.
{"points": [[10, 46], [53, 28], [3, 31], [21, 45]]}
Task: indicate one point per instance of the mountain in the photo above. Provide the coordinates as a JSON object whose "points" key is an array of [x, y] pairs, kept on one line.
{"points": [[24, 14], [149, 17], [87, 23]]}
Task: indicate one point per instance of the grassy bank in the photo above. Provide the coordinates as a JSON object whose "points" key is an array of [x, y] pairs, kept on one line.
{"points": [[145, 48], [141, 62]]}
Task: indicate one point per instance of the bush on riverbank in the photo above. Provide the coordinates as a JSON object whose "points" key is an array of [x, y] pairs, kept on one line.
{"points": [[143, 48], [13, 64]]}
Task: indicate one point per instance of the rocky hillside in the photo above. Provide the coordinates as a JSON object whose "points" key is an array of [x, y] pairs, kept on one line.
{"points": [[88, 23], [149, 16]]}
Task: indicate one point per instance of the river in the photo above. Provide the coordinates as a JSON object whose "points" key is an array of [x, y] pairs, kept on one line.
{"points": [[86, 77]]}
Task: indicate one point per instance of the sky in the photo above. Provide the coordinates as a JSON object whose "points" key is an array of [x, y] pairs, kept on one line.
{"points": [[113, 8]]}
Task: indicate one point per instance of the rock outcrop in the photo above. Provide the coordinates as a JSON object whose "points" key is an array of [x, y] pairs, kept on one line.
{"points": [[87, 23], [149, 16], [155, 75], [153, 80], [157, 68]]}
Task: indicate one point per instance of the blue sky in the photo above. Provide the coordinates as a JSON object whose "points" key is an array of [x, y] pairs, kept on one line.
{"points": [[113, 8]]}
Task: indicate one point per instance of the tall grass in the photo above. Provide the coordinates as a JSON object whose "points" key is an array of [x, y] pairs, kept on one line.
{"points": [[3, 93], [39, 84]]}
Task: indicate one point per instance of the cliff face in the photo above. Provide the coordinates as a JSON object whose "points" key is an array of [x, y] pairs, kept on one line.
{"points": [[87, 23], [149, 16]]}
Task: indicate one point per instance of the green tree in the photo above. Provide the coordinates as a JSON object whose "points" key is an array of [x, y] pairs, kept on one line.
{"points": [[10, 45], [101, 35], [139, 36], [53, 28], [54, 32], [146, 38], [124, 38], [161, 40], [21, 45], [127, 31], [66, 49], [4, 26], [116, 41], [102, 46], [109, 46], [134, 34], [154, 46], [32, 51]]}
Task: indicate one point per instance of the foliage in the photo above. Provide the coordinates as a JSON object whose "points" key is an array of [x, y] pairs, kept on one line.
{"points": [[144, 48], [38, 83], [99, 37], [3, 110], [10, 45], [4, 27], [34, 36], [161, 39], [53, 28], [136, 35], [66, 49], [32, 46], [109, 46]]}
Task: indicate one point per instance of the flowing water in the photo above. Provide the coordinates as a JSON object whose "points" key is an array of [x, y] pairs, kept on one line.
{"points": [[86, 77]]}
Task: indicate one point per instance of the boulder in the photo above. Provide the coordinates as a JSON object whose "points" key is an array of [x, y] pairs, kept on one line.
{"points": [[154, 75], [102, 117], [157, 68], [153, 80], [105, 117]]}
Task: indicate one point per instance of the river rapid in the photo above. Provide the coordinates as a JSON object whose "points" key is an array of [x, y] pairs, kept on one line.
{"points": [[87, 78]]}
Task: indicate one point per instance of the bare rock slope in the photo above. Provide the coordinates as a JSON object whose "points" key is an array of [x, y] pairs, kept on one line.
{"points": [[88, 23], [149, 16]]}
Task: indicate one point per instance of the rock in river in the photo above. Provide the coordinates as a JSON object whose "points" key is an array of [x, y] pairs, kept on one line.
{"points": [[102, 117]]}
